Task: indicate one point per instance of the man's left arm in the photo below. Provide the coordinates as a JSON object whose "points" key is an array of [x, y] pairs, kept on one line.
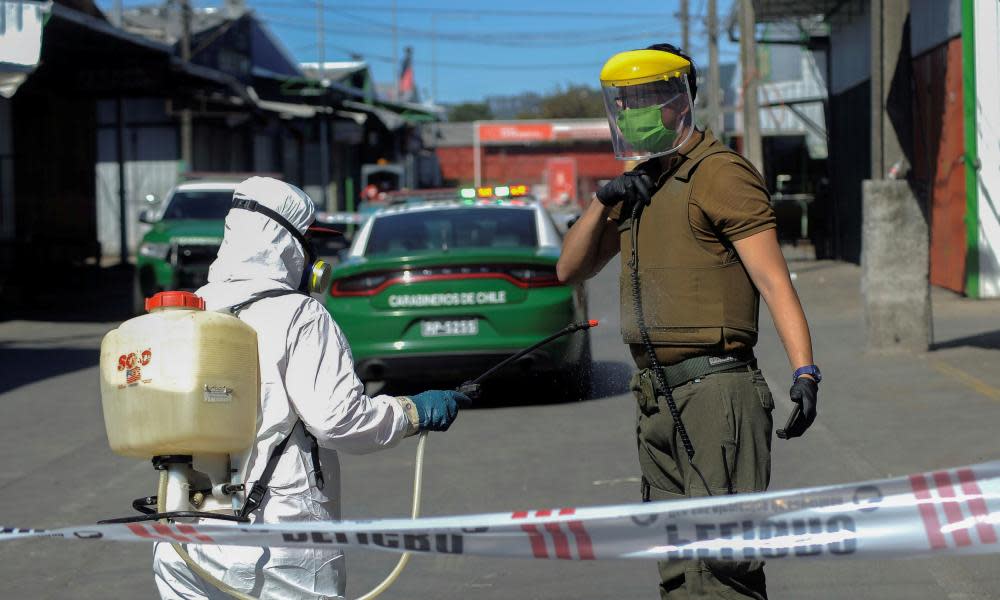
{"points": [[761, 255], [763, 260], [740, 210]]}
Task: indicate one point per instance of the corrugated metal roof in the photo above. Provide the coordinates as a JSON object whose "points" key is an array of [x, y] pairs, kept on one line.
{"points": [[782, 10]]}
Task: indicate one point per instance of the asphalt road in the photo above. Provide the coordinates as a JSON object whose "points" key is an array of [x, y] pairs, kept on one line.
{"points": [[521, 452]]}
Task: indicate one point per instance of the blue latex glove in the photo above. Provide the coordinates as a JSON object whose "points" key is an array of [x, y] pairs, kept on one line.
{"points": [[438, 408]]}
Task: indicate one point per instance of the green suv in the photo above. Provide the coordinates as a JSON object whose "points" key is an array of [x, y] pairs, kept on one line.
{"points": [[448, 289], [185, 239]]}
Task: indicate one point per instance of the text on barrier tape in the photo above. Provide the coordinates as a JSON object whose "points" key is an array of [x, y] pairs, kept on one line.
{"points": [[952, 511]]}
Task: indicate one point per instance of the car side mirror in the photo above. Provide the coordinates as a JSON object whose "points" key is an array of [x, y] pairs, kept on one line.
{"points": [[147, 216]]}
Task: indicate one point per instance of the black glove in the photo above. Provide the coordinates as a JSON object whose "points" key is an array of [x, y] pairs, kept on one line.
{"points": [[803, 394], [628, 188]]}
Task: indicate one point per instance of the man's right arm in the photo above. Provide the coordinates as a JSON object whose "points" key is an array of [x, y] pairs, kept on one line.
{"points": [[589, 244]]}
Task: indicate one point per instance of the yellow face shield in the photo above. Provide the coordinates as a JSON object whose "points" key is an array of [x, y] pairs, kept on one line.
{"points": [[648, 103]]}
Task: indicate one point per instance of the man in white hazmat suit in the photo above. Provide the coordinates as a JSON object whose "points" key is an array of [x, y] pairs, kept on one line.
{"points": [[307, 373]]}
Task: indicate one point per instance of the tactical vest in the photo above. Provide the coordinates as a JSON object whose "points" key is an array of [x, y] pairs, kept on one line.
{"points": [[690, 296]]}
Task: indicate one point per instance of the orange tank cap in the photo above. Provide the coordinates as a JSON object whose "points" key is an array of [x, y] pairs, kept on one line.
{"points": [[175, 299]]}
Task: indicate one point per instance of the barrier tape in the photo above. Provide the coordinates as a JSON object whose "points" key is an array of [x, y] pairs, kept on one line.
{"points": [[952, 511]]}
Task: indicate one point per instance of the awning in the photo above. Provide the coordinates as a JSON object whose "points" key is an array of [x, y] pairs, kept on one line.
{"points": [[21, 26], [391, 120], [783, 10]]}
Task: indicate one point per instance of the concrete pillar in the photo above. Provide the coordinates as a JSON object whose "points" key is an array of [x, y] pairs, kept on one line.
{"points": [[895, 240], [895, 266]]}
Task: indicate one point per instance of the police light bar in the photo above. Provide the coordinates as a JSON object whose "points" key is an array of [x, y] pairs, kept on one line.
{"points": [[468, 193], [484, 192], [518, 190], [501, 191]]}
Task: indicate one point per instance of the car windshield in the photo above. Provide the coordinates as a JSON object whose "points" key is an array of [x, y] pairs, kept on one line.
{"points": [[198, 204], [423, 232]]}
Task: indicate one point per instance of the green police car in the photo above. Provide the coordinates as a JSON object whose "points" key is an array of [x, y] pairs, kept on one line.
{"points": [[443, 290], [184, 240]]}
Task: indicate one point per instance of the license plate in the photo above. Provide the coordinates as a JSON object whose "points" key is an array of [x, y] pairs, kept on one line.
{"points": [[454, 327]]}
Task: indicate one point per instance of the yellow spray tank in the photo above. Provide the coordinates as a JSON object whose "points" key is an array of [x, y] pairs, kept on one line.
{"points": [[180, 386]]}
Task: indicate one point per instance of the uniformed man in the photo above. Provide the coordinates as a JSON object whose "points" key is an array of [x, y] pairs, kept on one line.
{"points": [[696, 232]]}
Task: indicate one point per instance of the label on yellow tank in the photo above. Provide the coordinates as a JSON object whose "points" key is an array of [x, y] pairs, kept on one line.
{"points": [[130, 366], [218, 393]]}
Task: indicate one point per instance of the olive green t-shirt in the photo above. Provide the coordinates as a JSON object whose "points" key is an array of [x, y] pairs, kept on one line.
{"points": [[729, 202]]}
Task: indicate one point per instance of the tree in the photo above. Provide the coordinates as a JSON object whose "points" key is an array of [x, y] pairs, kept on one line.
{"points": [[469, 111], [574, 102]]}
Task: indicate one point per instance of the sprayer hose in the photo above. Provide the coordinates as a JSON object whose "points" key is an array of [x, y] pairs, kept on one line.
{"points": [[418, 478]]}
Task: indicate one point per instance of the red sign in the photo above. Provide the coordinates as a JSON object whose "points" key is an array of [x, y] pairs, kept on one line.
{"points": [[515, 132], [560, 174]]}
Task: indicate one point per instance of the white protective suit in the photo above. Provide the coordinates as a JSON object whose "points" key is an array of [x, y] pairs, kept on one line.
{"points": [[306, 371]]}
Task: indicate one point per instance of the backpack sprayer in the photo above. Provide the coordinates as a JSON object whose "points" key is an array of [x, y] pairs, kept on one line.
{"points": [[177, 388]]}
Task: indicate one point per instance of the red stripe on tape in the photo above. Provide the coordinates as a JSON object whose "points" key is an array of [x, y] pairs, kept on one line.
{"points": [[952, 509], [168, 532], [927, 512], [140, 531], [193, 533], [582, 540], [537, 541], [987, 533], [560, 540]]}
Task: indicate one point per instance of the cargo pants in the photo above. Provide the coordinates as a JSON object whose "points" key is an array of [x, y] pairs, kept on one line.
{"points": [[728, 419]]}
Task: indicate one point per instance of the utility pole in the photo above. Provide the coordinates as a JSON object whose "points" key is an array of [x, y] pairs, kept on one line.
{"points": [[752, 149], [395, 53], [186, 125], [714, 85], [434, 57], [685, 26], [324, 156]]}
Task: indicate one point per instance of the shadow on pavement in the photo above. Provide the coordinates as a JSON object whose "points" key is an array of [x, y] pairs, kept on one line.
{"points": [[23, 365], [91, 295], [989, 340]]}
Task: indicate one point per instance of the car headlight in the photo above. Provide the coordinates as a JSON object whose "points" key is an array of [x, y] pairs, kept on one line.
{"points": [[158, 250]]}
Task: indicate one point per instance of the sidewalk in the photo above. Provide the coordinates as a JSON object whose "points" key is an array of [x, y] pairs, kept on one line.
{"points": [[886, 415]]}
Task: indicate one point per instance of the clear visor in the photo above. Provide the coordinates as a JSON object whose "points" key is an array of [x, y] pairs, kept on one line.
{"points": [[649, 119]]}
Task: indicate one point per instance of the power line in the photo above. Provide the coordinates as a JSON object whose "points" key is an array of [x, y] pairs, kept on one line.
{"points": [[506, 39], [519, 36], [496, 12], [460, 65], [486, 39]]}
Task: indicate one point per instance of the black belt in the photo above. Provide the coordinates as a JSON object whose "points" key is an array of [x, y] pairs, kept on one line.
{"points": [[699, 366]]}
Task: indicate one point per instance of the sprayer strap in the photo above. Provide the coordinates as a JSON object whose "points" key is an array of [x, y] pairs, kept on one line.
{"points": [[236, 309], [256, 495]]}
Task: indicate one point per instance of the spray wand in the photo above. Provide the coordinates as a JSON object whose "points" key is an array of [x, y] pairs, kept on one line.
{"points": [[472, 388]]}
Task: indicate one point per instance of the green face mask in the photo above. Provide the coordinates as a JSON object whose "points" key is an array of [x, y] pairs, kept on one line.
{"points": [[643, 128]]}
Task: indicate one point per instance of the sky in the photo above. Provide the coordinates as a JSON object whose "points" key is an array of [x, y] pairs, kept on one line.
{"points": [[483, 47]]}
